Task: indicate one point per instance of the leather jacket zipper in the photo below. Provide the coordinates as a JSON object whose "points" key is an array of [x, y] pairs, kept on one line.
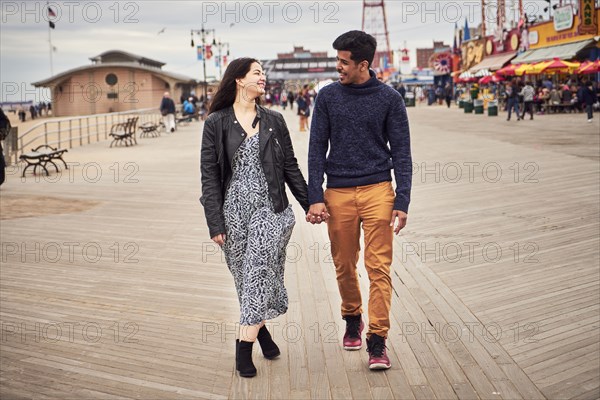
{"points": [[277, 177]]}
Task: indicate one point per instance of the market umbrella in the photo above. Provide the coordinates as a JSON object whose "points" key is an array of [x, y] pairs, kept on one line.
{"points": [[589, 67], [491, 78], [558, 65], [537, 68], [509, 70]]}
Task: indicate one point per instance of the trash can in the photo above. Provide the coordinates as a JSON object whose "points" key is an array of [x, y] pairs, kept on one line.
{"points": [[468, 107], [409, 99], [493, 108], [474, 92], [478, 106]]}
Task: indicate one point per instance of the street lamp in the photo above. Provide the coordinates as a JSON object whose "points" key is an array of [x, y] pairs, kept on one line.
{"points": [[220, 46], [203, 32]]}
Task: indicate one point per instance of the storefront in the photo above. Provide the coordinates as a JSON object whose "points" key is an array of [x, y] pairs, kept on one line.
{"points": [[573, 34]]}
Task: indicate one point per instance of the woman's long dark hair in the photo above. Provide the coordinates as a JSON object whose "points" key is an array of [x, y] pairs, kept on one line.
{"points": [[226, 93]]}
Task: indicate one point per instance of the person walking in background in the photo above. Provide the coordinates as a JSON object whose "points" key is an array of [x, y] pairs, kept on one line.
{"points": [[360, 133], [246, 159], [589, 99], [4, 131], [167, 110], [448, 94], [402, 90], [512, 95], [528, 92], [303, 109], [291, 98], [284, 100]]}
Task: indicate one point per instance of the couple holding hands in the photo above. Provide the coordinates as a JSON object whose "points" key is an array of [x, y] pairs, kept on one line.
{"points": [[359, 135]]}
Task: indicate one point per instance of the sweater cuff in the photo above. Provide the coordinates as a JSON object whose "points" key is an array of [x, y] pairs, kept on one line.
{"points": [[314, 198], [401, 204]]}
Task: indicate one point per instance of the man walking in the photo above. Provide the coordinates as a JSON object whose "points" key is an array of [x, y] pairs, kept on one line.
{"points": [[167, 109], [363, 124]]}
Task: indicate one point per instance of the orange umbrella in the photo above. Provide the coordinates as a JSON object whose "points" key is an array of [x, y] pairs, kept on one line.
{"points": [[589, 67], [509, 70], [537, 68], [558, 65]]}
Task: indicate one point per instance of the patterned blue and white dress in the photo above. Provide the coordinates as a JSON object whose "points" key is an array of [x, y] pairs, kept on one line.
{"points": [[256, 238]]}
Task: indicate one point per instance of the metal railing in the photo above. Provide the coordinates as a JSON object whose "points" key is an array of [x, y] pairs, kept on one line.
{"points": [[76, 131]]}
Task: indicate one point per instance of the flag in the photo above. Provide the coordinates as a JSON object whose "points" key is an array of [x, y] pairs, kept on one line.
{"points": [[467, 32], [51, 12], [200, 53], [51, 24], [208, 52]]}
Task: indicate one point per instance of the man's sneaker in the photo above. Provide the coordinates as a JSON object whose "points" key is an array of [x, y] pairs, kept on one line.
{"points": [[378, 358], [354, 328]]}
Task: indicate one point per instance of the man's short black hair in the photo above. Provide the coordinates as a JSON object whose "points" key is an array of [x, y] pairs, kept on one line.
{"points": [[360, 44]]}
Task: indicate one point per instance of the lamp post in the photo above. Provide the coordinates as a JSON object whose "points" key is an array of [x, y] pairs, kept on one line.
{"points": [[203, 32], [220, 46]]}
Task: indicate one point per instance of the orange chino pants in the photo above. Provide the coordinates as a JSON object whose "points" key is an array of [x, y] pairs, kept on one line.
{"points": [[371, 205]]}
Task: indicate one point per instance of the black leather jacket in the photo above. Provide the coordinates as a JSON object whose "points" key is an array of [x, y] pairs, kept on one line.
{"points": [[221, 138]]}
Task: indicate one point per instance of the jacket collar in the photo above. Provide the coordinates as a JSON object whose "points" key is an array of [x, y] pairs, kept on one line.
{"points": [[266, 125]]}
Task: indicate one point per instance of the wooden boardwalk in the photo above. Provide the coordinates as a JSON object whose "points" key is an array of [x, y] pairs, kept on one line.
{"points": [[110, 287]]}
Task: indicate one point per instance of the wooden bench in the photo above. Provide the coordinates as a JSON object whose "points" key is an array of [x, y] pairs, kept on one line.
{"points": [[124, 132], [150, 129], [561, 107], [41, 156]]}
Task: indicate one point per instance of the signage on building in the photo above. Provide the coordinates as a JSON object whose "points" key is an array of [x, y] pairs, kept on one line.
{"points": [[563, 18], [588, 18], [534, 37]]}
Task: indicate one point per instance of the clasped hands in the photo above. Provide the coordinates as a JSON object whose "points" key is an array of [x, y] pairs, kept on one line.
{"points": [[317, 213]]}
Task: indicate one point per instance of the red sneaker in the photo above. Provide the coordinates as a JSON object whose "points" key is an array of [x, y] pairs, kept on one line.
{"points": [[378, 358], [354, 328]]}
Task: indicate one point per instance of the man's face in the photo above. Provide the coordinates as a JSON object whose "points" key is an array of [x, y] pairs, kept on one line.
{"points": [[348, 70]]}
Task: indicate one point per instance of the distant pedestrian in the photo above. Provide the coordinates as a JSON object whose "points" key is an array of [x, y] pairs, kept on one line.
{"points": [[589, 99], [448, 94], [291, 98], [167, 109], [284, 100], [303, 110], [22, 114], [402, 90], [528, 93], [4, 131], [512, 94]]}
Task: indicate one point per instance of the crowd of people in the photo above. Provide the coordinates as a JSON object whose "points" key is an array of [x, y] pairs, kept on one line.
{"points": [[517, 95], [32, 111]]}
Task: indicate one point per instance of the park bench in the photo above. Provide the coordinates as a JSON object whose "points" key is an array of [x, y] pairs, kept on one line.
{"points": [[42, 156], [124, 132], [151, 129], [561, 107]]}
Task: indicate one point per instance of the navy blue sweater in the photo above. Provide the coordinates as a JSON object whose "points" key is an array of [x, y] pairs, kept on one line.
{"points": [[365, 128]]}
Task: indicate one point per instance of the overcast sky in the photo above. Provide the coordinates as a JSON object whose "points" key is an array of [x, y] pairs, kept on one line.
{"points": [[260, 29]]}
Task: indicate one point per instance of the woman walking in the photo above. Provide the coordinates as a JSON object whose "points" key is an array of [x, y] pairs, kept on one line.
{"points": [[246, 159]]}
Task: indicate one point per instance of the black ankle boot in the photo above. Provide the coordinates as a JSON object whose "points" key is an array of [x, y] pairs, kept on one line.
{"points": [[243, 359], [268, 346]]}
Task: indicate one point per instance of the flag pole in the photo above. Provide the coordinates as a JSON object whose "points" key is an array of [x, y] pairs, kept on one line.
{"points": [[50, 38], [50, 44]]}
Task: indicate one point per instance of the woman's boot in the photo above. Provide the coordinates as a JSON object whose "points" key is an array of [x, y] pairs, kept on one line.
{"points": [[243, 358], [268, 346]]}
